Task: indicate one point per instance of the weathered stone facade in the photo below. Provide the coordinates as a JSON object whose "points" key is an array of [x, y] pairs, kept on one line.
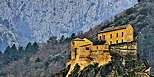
{"points": [[118, 40], [117, 34], [128, 50]]}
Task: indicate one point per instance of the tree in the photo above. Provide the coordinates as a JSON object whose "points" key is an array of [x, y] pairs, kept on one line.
{"points": [[52, 40], [67, 39], [73, 36], [28, 47], [1, 54], [62, 39], [21, 49], [35, 47], [38, 60], [14, 49], [26, 60], [7, 50]]}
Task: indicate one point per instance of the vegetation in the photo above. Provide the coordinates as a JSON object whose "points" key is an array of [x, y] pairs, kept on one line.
{"points": [[51, 56], [13, 53], [115, 67]]}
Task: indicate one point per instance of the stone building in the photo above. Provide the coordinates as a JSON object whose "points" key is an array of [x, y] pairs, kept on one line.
{"points": [[119, 39], [117, 34]]}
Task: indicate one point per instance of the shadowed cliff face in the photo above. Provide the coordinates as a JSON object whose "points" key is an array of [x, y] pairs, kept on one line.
{"points": [[32, 20]]}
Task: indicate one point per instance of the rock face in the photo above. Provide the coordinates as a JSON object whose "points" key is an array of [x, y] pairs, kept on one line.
{"points": [[6, 37], [31, 20]]}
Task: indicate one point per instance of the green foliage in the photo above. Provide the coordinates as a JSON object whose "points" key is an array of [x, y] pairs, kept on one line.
{"points": [[38, 60], [2, 74], [1, 53], [26, 60], [130, 11], [62, 39], [91, 67], [52, 40], [73, 36], [132, 17], [144, 11], [13, 53], [8, 50], [46, 64], [28, 47]]}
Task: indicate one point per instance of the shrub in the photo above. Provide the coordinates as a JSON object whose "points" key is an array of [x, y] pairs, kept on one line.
{"points": [[130, 11], [38, 60]]}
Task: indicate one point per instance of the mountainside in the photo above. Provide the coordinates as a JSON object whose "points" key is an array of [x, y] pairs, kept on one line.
{"points": [[52, 58], [32, 20], [141, 16]]}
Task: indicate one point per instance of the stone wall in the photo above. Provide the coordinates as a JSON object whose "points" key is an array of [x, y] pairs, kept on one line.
{"points": [[126, 50]]}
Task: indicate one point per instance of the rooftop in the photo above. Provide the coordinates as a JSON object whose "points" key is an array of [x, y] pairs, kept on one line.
{"points": [[112, 28]]}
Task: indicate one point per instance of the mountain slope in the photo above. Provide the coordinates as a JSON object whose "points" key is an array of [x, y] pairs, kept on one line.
{"points": [[32, 20], [141, 16]]}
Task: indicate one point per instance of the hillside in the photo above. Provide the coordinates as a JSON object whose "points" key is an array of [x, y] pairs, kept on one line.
{"points": [[49, 59], [115, 68], [37, 20], [140, 16]]}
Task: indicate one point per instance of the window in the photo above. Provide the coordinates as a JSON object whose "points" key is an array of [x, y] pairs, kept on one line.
{"points": [[117, 41], [117, 34], [73, 43], [87, 48], [111, 36], [110, 42], [104, 37], [97, 47], [122, 41], [75, 52], [100, 37], [122, 34]]}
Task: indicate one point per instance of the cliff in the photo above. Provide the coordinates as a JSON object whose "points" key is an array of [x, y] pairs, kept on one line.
{"points": [[141, 16], [37, 20]]}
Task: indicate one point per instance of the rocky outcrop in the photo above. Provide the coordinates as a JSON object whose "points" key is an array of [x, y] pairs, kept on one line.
{"points": [[114, 68]]}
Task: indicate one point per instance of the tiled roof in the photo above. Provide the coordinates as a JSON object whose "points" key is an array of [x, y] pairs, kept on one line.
{"points": [[114, 28]]}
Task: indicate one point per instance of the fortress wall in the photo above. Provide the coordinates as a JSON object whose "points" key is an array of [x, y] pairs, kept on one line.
{"points": [[125, 49]]}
